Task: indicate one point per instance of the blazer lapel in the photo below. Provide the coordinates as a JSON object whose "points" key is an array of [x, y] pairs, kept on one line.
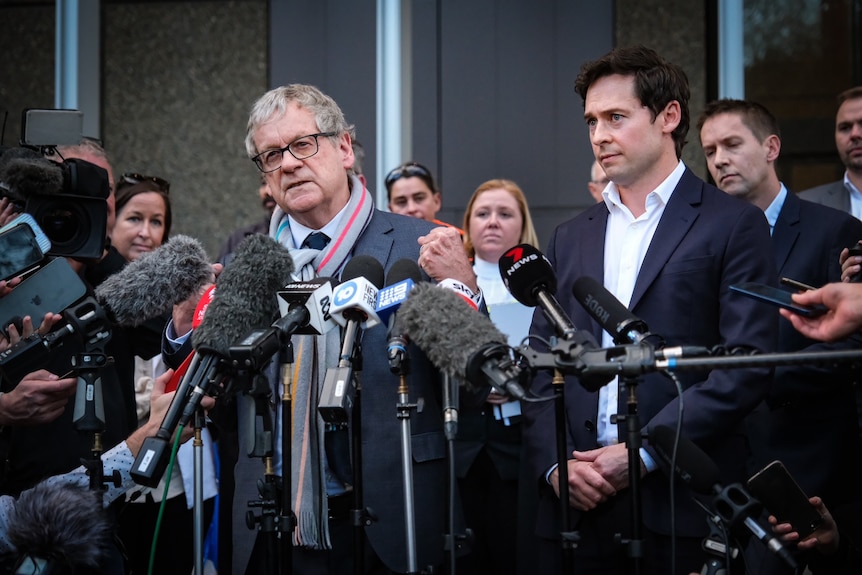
{"points": [[786, 230], [679, 215], [376, 241], [593, 235]]}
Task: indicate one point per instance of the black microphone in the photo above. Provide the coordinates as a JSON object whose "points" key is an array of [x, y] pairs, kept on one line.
{"points": [[244, 299], [60, 525], [609, 312], [152, 284], [622, 324], [733, 504], [459, 341], [531, 280], [304, 307], [353, 306], [403, 276]]}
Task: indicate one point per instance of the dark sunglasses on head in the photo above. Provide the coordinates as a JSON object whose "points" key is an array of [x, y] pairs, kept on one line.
{"points": [[132, 179], [407, 171]]}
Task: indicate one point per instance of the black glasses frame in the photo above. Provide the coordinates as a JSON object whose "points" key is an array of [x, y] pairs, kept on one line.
{"points": [[259, 162], [132, 178]]}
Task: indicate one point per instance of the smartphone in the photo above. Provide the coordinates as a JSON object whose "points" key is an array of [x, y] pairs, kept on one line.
{"points": [[19, 251], [41, 237], [781, 496], [52, 288], [798, 285], [779, 297]]}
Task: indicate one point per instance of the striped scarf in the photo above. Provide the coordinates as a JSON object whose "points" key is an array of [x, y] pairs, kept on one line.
{"points": [[313, 354]]}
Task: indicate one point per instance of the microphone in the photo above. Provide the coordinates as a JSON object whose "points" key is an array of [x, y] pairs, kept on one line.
{"points": [[622, 324], [531, 280], [355, 297], [402, 277], [152, 284], [307, 304], [353, 307], [244, 299], [60, 525], [25, 173], [460, 342], [304, 308], [609, 312], [733, 504]]}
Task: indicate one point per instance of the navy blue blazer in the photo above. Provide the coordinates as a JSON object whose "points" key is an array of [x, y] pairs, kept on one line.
{"points": [[705, 242], [388, 238], [811, 424]]}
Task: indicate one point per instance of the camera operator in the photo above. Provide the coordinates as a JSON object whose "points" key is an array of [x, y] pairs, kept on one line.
{"points": [[74, 214]]}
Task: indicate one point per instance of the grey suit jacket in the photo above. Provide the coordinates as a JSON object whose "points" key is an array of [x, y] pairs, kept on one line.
{"points": [[833, 194], [388, 238]]}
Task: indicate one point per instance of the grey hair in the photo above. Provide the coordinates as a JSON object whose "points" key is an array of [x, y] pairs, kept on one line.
{"points": [[273, 104]]}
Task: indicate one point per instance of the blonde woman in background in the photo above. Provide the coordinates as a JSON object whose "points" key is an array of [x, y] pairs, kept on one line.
{"points": [[499, 504]]}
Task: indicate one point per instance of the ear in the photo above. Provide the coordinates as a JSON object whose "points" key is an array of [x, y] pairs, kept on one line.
{"points": [[345, 146], [772, 145], [438, 203], [671, 116]]}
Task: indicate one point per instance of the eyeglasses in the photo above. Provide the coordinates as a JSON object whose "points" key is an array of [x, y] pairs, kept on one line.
{"points": [[407, 171], [300, 148], [130, 179]]}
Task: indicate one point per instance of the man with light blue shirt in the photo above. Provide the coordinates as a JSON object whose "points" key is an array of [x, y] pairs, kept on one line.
{"points": [[845, 194], [741, 142]]}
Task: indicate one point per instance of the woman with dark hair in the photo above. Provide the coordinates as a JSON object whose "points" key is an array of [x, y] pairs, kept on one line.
{"points": [[143, 220], [143, 223]]}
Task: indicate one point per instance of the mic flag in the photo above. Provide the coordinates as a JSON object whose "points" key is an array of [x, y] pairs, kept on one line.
{"points": [[531, 280], [315, 297], [402, 276], [356, 296]]}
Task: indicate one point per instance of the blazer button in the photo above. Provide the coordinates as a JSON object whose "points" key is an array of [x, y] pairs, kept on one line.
{"points": [[589, 425]]}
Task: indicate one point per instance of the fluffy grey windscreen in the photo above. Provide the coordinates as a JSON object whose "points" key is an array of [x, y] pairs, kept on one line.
{"points": [[447, 329]]}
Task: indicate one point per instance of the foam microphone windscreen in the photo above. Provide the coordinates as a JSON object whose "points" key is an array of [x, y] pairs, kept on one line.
{"points": [[447, 329], [25, 176], [65, 523], [152, 284], [693, 466], [245, 294]]}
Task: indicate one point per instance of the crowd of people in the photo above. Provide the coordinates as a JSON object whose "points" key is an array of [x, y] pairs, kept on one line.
{"points": [[661, 240]]}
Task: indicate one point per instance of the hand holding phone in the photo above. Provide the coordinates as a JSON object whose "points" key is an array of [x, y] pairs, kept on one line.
{"points": [[779, 297], [781, 495]]}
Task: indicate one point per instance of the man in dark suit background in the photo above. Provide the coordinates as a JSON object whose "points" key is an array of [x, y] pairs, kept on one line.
{"points": [[298, 137], [669, 246], [809, 419], [845, 194]]}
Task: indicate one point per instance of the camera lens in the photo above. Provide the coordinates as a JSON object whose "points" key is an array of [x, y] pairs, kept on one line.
{"points": [[60, 224]]}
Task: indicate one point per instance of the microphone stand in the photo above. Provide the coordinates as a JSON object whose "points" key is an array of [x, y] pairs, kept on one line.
{"points": [[568, 538], [286, 518], [267, 488], [634, 545], [453, 541], [401, 367], [199, 491]]}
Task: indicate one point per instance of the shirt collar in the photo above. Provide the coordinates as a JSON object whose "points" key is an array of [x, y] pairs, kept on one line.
{"points": [[659, 196], [774, 208]]}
